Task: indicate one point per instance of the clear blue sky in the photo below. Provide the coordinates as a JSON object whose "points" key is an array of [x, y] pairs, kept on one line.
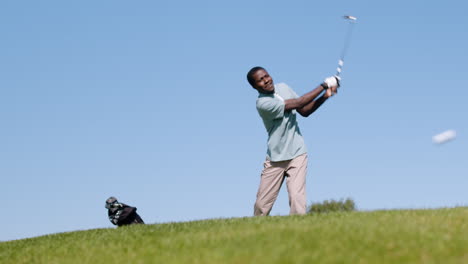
{"points": [[147, 101]]}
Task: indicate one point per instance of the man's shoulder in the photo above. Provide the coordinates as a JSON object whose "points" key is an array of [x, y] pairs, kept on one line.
{"points": [[264, 99], [281, 86], [285, 91]]}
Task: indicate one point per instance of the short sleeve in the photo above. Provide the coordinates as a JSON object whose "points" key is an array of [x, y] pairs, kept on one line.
{"points": [[291, 91], [270, 108]]}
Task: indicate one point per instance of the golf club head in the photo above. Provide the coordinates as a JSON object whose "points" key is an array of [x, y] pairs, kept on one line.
{"points": [[350, 18]]}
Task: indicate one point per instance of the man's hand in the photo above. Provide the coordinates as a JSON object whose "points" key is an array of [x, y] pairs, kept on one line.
{"points": [[332, 83], [330, 92]]}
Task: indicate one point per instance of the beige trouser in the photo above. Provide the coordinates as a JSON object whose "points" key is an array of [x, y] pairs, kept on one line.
{"points": [[272, 178]]}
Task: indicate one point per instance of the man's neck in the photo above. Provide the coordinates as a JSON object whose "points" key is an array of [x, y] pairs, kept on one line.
{"points": [[267, 92]]}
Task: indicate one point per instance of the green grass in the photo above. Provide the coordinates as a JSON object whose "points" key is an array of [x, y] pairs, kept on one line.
{"points": [[329, 206], [396, 236]]}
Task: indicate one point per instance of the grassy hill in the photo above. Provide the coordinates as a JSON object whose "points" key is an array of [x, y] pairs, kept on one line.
{"points": [[396, 236]]}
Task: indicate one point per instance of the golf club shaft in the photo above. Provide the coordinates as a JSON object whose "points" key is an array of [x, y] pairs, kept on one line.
{"points": [[345, 48]]}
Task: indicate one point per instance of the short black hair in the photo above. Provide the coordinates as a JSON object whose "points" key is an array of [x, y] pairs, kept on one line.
{"points": [[251, 73]]}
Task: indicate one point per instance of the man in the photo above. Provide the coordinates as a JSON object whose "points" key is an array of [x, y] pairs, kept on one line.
{"points": [[286, 158], [121, 214]]}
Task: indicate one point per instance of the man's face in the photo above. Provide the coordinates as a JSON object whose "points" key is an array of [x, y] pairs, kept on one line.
{"points": [[263, 82]]}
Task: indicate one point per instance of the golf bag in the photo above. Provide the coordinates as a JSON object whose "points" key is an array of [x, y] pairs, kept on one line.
{"points": [[121, 214]]}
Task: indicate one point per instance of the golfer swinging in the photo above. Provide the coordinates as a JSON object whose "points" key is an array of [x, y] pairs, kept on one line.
{"points": [[287, 154]]}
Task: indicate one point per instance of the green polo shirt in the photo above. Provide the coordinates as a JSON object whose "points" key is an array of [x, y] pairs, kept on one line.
{"points": [[285, 140]]}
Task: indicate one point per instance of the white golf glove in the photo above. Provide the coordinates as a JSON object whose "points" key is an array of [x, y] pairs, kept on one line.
{"points": [[332, 81]]}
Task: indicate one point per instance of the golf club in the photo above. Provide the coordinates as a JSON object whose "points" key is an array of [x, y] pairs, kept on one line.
{"points": [[352, 21]]}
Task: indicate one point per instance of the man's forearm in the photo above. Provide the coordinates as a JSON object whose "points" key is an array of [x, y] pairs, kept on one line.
{"points": [[303, 100], [312, 106]]}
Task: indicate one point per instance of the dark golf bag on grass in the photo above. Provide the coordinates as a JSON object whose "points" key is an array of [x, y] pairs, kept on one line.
{"points": [[121, 214]]}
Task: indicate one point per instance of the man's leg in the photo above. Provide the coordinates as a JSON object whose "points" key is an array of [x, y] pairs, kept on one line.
{"points": [[296, 182], [270, 183]]}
